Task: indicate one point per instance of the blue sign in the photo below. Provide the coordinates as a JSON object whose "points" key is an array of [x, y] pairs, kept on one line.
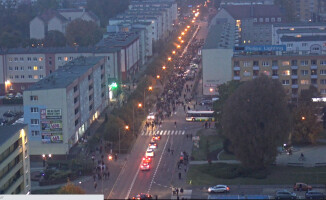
{"points": [[260, 48]]}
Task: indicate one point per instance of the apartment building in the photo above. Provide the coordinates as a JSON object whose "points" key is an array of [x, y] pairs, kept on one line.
{"points": [[296, 72], [14, 160], [60, 108]]}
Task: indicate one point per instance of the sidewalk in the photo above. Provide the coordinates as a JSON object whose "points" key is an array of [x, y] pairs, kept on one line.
{"points": [[202, 162]]}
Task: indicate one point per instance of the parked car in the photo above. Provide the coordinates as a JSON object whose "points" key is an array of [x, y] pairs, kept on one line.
{"points": [[10, 95], [219, 188], [315, 195], [9, 114], [301, 187], [285, 194]]}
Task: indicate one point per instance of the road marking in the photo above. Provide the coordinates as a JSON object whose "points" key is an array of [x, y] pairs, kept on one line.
{"points": [[172, 132], [150, 186], [118, 178], [183, 132], [168, 133], [165, 132], [161, 133]]}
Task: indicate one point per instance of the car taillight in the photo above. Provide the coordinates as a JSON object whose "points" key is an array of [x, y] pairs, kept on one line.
{"points": [[154, 144], [227, 188]]}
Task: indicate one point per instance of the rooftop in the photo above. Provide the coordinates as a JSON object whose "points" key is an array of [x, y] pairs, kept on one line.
{"points": [[303, 38], [67, 74], [302, 30], [6, 132], [267, 55], [119, 39], [252, 11], [302, 24], [220, 36]]}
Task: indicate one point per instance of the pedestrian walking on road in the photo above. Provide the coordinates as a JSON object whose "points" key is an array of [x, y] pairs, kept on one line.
{"points": [[108, 175], [172, 151], [95, 185], [179, 175]]}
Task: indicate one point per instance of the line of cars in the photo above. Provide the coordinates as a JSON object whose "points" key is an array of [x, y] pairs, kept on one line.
{"points": [[150, 152], [280, 194]]}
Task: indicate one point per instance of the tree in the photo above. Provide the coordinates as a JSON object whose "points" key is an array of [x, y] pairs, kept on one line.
{"points": [[255, 119], [54, 39], [83, 33], [225, 90], [305, 125], [70, 188]]}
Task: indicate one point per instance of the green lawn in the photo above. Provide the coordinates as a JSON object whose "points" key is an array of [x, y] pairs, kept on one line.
{"points": [[227, 156], [214, 141], [206, 175]]}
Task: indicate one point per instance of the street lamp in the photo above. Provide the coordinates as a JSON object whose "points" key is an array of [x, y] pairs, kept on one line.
{"points": [[126, 128], [178, 46], [164, 67], [158, 76], [173, 52], [182, 33], [133, 117], [150, 88], [169, 58], [179, 37], [303, 118]]}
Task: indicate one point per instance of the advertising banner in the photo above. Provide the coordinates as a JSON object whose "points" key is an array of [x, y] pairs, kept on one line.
{"points": [[53, 114]]}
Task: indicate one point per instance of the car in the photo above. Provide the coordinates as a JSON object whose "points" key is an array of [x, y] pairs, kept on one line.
{"points": [[10, 95], [19, 95], [9, 114], [142, 196], [152, 145], [151, 116], [218, 188], [206, 102], [149, 152], [285, 194], [156, 137], [301, 187], [144, 166], [147, 159], [314, 195]]}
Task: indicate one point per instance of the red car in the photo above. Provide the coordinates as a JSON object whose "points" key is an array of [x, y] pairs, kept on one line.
{"points": [[142, 196], [156, 137], [144, 166], [147, 159]]}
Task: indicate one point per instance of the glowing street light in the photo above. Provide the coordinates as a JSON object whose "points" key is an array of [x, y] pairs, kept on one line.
{"points": [[303, 118], [140, 105], [211, 89], [188, 26], [164, 68], [183, 33], [180, 37], [150, 88], [169, 58], [182, 41], [173, 52], [158, 76], [178, 46], [193, 21], [186, 30]]}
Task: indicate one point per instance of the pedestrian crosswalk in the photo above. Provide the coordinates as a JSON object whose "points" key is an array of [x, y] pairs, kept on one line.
{"points": [[163, 132]]}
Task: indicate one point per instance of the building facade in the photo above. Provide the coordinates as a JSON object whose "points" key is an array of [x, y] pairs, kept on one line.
{"points": [[296, 72], [60, 108], [14, 160]]}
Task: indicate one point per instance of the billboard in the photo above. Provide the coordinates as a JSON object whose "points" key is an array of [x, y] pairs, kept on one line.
{"points": [[51, 125], [254, 48]]}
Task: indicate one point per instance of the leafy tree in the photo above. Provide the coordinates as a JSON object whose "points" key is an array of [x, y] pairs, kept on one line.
{"points": [[305, 125], [105, 9], [70, 188], [54, 39], [83, 33], [10, 39], [225, 90], [111, 130], [255, 119]]}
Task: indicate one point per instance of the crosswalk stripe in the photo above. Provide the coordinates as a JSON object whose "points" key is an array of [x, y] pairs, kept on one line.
{"points": [[172, 132], [143, 132], [165, 132], [149, 133], [179, 132], [161, 133], [183, 132], [168, 133]]}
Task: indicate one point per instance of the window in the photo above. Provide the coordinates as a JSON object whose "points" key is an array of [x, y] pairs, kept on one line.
{"points": [[265, 63], [40, 67], [90, 87], [35, 133], [16, 59], [22, 76], [323, 91], [17, 76], [10, 59], [304, 62], [256, 63], [294, 63], [11, 77], [75, 88], [279, 19], [22, 68], [313, 81], [304, 72], [285, 63], [66, 58], [75, 99], [261, 19], [274, 63], [285, 82], [35, 77], [272, 19], [29, 59], [10, 68], [323, 81], [34, 59], [21, 59], [90, 97], [76, 122], [304, 44], [289, 45], [89, 77], [76, 110], [35, 68], [108, 57], [34, 98], [313, 62], [274, 72], [246, 63], [304, 82], [102, 76], [236, 63], [102, 67], [41, 76], [323, 62], [266, 19], [322, 72], [90, 107], [50, 62], [71, 58], [30, 76], [59, 58], [255, 20], [256, 72], [34, 109], [29, 68], [267, 73], [16, 68], [35, 122], [313, 72], [286, 73], [40, 59]]}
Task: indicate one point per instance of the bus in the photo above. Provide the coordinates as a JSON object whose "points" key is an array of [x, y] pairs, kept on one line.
{"points": [[200, 116]]}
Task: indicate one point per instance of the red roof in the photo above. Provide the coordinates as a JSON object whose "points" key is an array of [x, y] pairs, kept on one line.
{"points": [[253, 11]]}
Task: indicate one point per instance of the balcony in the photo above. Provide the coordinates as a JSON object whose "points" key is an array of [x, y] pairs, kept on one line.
{"points": [[236, 78], [313, 76], [274, 67], [294, 86], [295, 95], [11, 157], [294, 76], [275, 77], [11, 172], [236, 68], [294, 67], [313, 67], [255, 67]]}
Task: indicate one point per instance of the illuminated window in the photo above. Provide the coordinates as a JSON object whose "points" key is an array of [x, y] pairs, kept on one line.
{"points": [[286, 73], [35, 76], [291, 29], [267, 73], [285, 63], [35, 68], [304, 82], [66, 58], [298, 36], [40, 59]]}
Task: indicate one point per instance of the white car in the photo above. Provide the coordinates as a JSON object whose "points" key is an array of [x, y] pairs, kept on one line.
{"points": [[152, 145], [149, 152], [151, 116], [218, 188]]}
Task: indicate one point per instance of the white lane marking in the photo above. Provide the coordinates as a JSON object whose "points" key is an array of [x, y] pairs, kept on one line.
{"points": [[150, 186], [165, 132], [118, 178], [183, 132], [172, 132], [143, 132], [161, 133], [168, 133]]}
